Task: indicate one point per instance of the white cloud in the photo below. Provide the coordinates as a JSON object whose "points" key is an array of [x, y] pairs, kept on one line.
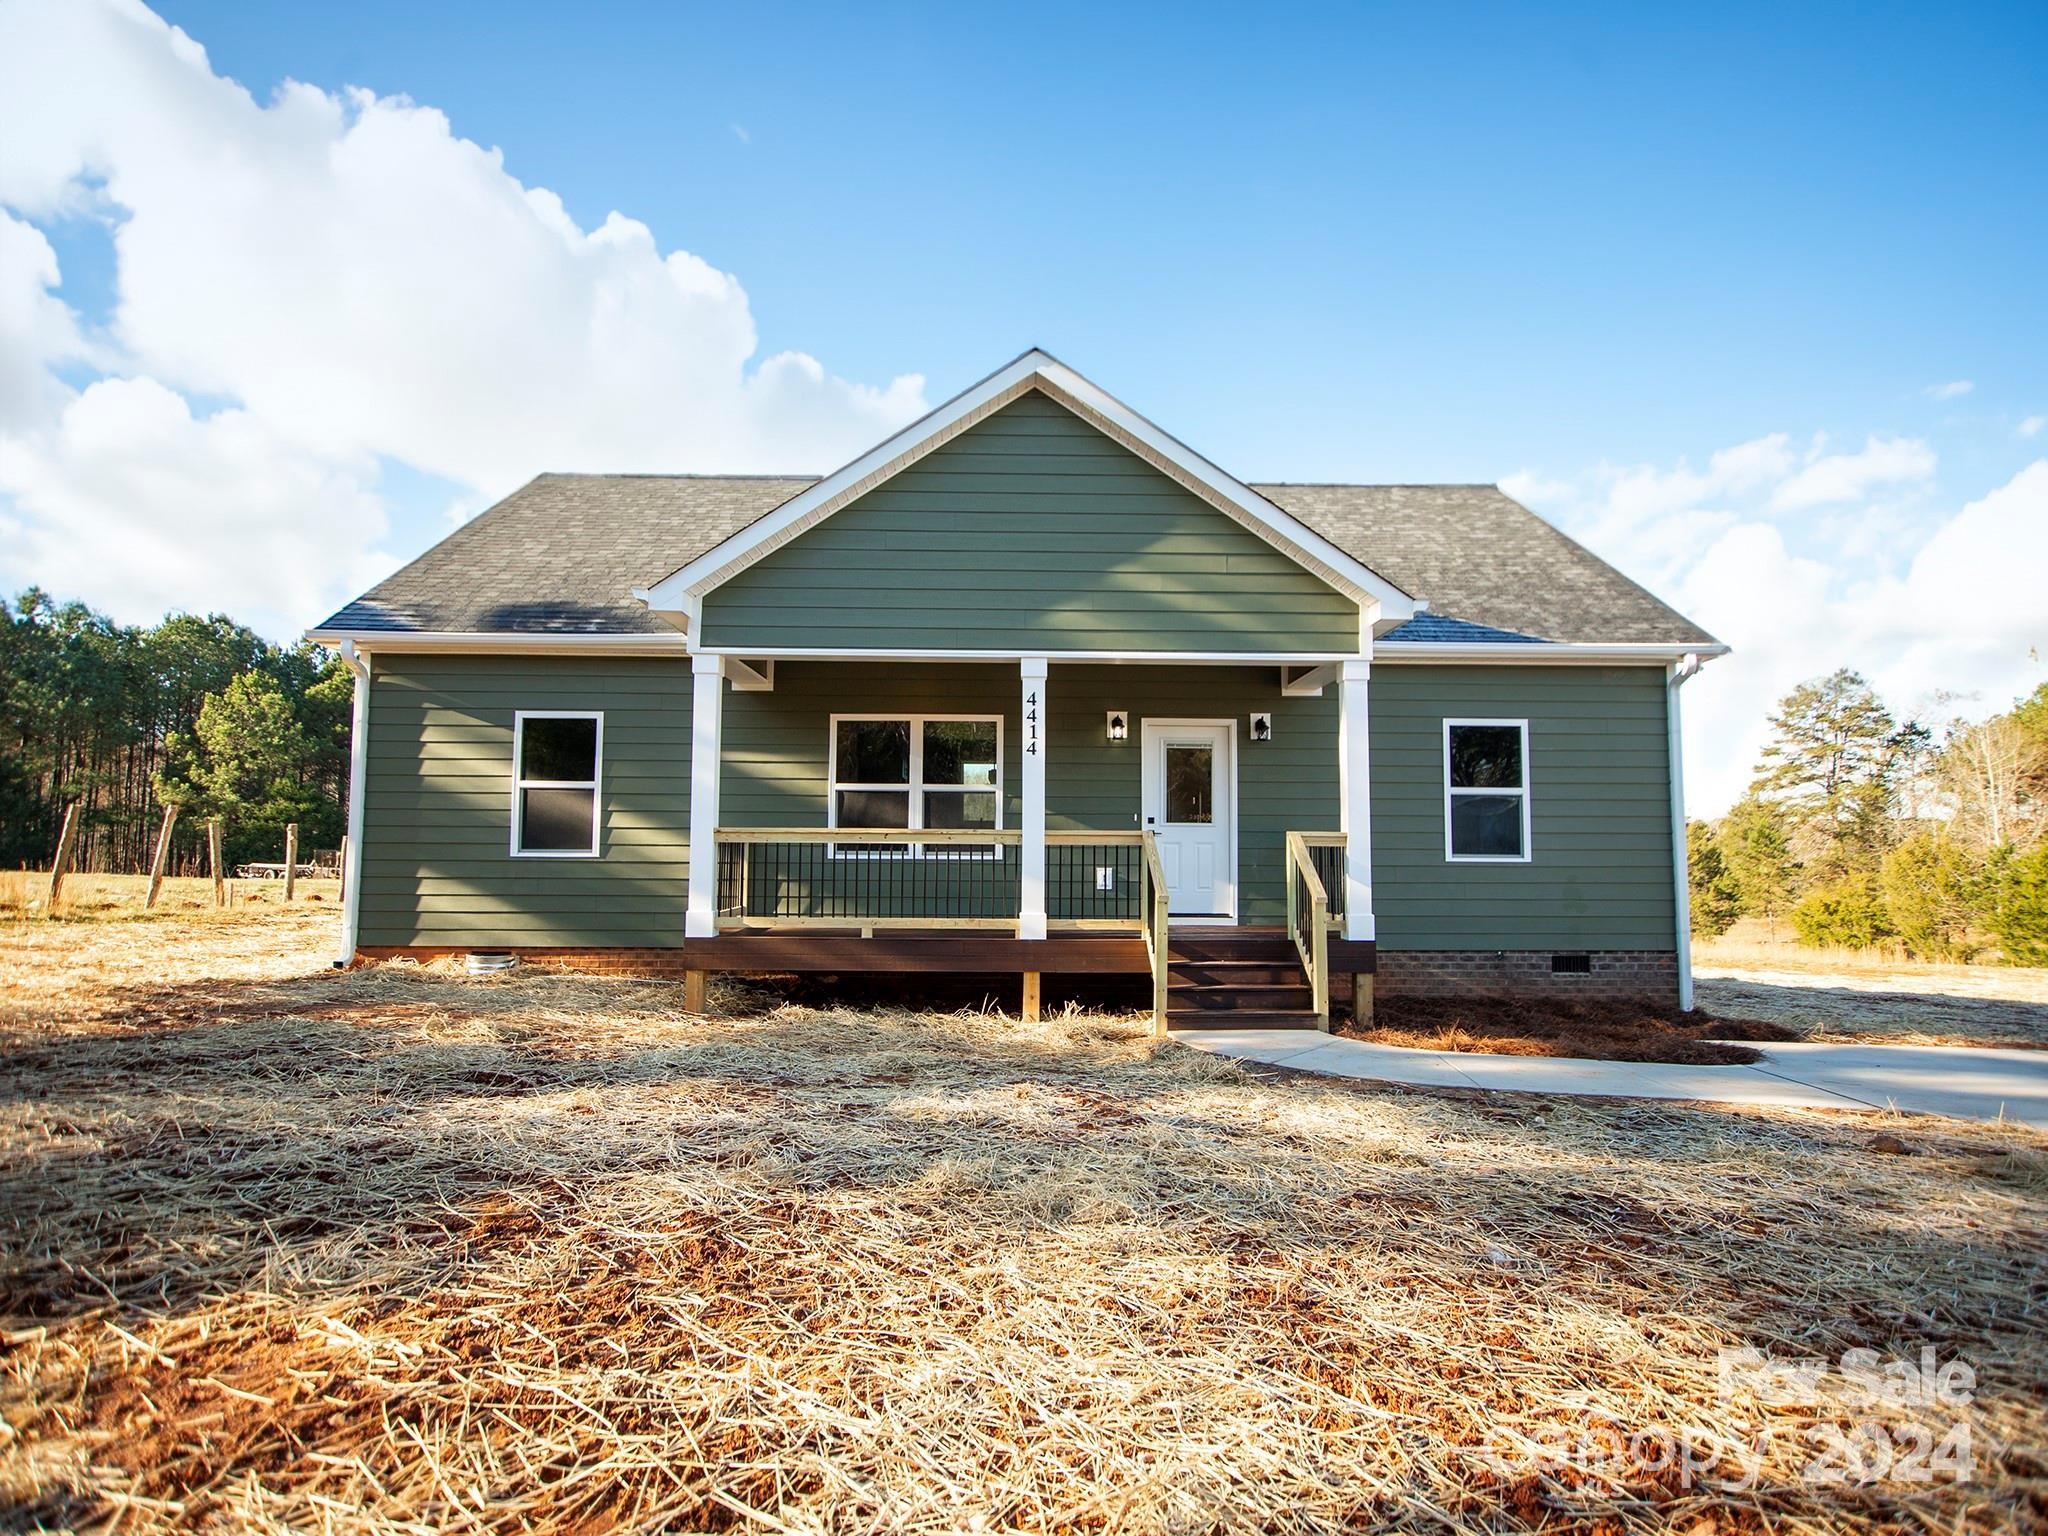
{"points": [[1954, 389], [36, 327], [1843, 477], [129, 497], [2032, 426], [1924, 601], [363, 283]]}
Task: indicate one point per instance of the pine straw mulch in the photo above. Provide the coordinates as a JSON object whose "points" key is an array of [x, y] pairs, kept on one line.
{"points": [[1600, 1031], [400, 1251]]}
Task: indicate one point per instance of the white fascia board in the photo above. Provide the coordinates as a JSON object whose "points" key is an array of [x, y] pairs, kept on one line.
{"points": [[1379, 599], [388, 642], [1541, 653], [1105, 658]]}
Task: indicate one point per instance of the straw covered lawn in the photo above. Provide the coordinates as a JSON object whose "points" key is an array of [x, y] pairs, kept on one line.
{"points": [[397, 1250]]}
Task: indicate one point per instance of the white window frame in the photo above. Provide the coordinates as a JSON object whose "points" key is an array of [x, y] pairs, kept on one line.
{"points": [[914, 786], [1524, 791], [521, 784]]}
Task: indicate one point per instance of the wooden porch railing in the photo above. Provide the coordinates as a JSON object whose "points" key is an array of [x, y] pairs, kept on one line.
{"points": [[931, 877], [1309, 916], [1154, 907]]}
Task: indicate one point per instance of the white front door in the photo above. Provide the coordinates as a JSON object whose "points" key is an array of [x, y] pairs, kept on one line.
{"points": [[1190, 804]]}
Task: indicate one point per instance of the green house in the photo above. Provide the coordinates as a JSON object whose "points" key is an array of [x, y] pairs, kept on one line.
{"points": [[1031, 688]]}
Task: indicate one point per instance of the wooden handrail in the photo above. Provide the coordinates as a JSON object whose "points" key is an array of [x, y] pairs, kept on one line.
{"points": [[977, 836], [1156, 919], [1114, 839], [1315, 952]]}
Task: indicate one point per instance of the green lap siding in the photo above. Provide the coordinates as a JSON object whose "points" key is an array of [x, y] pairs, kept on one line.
{"points": [[776, 745], [1030, 531], [437, 867], [1601, 875]]}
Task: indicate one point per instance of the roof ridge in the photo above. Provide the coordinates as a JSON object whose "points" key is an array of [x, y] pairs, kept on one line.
{"points": [[661, 474], [1385, 485]]}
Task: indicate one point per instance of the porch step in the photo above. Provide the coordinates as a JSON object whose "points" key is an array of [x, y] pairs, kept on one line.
{"points": [[1236, 978], [1235, 973], [1243, 1018], [1212, 999]]}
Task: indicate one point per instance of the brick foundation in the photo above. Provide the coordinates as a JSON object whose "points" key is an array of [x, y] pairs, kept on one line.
{"points": [[1614, 975], [659, 963]]}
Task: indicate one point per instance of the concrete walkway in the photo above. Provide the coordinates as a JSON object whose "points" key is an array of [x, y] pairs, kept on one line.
{"points": [[1967, 1082]]}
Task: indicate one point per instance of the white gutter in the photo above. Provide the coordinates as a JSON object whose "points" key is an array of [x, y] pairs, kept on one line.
{"points": [[1538, 653], [516, 644], [358, 664], [1681, 881]]}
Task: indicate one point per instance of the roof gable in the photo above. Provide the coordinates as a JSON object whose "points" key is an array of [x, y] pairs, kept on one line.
{"points": [[1031, 531], [682, 592]]}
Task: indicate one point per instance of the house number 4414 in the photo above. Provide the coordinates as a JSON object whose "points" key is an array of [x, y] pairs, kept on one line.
{"points": [[1031, 724]]}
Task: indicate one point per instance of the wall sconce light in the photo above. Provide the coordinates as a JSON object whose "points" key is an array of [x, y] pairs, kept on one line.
{"points": [[1119, 724], [1262, 727]]}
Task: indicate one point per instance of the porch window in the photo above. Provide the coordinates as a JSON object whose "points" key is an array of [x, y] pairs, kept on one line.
{"points": [[916, 771], [1486, 791], [555, 759]]}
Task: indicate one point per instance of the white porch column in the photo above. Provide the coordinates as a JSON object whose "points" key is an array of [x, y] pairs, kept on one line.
{"points": [[358, 664], [1354, 778], [1031, 855], [707, 712]]}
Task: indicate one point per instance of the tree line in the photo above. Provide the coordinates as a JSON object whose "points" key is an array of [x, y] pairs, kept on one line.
{"points": [[123, 720], [1862, 829]]}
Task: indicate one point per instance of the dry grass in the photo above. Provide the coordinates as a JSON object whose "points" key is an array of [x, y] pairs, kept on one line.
{"points": [[1598, 1031], [400, 1251], [1854, 995], [119, 898]]}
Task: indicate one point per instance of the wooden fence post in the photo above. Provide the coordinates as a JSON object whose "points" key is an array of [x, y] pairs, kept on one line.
{"points": [[163, 857], [291, 858], [64, 841], [220, 895]]}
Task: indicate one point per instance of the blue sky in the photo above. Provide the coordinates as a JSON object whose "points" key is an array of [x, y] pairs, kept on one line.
{"points": [[1427, 243], [1579, 250]]}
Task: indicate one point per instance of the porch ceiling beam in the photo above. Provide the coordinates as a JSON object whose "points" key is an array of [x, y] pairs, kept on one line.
{"points": [[1307, 682]]}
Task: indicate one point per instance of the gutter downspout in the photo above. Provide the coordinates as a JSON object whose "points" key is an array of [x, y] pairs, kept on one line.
{"points": [[1675, 676], [358, 665]]}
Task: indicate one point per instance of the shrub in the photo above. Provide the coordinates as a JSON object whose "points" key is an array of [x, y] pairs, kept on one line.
{"points": [[2019, 912], [1848, 913], [1932, 892]]}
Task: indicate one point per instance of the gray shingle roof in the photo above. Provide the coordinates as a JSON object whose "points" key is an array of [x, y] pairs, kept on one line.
{"points": [[1475, 553], [562, 554]]}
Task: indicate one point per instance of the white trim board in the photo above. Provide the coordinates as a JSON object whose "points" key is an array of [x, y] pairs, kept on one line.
{"points": [[683, 590], [1538, 653], [1524, 792], [396, 643], [1151, 797], [520, 784]]}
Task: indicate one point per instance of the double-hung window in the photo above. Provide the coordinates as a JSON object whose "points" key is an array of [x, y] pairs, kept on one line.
{"points": [[916, 771], [1486, 791], [555, 773]]}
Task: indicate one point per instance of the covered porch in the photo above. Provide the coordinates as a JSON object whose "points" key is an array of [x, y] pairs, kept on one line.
{"points": [[1035, 816]]}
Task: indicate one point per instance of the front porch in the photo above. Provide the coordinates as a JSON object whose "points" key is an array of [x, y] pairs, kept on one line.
{"points": [[1090, 818]]}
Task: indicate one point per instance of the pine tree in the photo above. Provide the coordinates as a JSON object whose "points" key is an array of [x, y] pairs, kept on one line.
{"points": [[1833, 764], [1715, 901], [1757, 855]]}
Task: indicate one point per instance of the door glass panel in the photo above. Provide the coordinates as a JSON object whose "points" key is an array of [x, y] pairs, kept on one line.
{"points": [[1190, 784]]}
